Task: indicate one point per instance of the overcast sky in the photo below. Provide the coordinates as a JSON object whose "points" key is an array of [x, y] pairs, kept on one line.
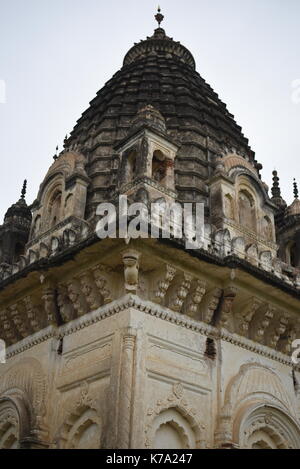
{"points": [[56, 54]]}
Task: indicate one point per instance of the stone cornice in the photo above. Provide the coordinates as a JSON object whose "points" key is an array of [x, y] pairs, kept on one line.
{"points": [[152, 309]]}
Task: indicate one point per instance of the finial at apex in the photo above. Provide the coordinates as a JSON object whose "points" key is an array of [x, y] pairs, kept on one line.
{"points": [[23, 193], [296, 192], [159, 17]]}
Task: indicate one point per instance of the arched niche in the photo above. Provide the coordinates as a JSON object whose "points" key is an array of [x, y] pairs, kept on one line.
{"points": [[36, 226], [172, 431], [24, 386], [15, 419], [54, 207], [66, 176], [292, 255], [81, 430], [159, 167], [267, 229], [265, 426], [9, 425], [19, 251], [229, 210], [68, 205], [247, 210], [130, 165], [254, 397]]}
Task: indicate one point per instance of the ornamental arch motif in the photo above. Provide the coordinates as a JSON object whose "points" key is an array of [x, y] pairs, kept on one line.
{"points": [[10, 433], [175, 412], [254, 398], [82, 426], [81, 430], [23, 385], [172, 431], [266, 427]]}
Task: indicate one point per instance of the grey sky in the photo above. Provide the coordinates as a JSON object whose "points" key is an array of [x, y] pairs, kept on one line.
{"points": [[56, 54]]}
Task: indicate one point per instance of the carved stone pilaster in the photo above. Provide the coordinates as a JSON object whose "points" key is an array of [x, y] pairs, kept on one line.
{"points": [[223, 435], [125, 390]]}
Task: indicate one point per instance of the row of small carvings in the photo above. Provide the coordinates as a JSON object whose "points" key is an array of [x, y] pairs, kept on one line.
{"points": [[56, 245], [54, 305], [173, 289], [222, 244], [248, 316], [218, 242]]}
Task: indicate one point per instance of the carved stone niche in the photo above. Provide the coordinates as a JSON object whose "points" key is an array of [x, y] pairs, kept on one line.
{"points": [[222, 242], [147, 155], [252, 254], [172, 422], [265, 260], [238, 247], [62, 194]]}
